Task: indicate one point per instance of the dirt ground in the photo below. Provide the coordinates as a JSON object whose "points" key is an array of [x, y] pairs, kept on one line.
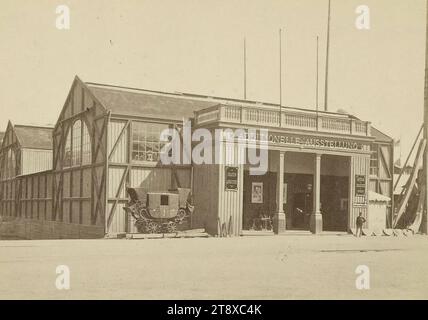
{"points": [[268, 267]]}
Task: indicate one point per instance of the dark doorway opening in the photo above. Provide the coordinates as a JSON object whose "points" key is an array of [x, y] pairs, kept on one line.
{"points": [[298, 200], [334, 203], [333, 198]]}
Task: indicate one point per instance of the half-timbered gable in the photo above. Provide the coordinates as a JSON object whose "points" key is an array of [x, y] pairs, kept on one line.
{"points": [[70, 181], [79, 161], [25, 150], [137, 117], [382, 166]]}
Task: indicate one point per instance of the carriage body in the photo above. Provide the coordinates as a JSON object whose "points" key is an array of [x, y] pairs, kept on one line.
{"points": [[162, 205], [158, 211]]}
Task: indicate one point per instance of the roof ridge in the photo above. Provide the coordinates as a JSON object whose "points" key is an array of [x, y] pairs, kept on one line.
{"points": [[32, 126], [214, 98]]}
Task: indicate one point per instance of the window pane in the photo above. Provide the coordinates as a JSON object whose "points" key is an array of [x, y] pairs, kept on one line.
{"points": [[76, 143], [86, 146], [146, 141], [67, 150]]}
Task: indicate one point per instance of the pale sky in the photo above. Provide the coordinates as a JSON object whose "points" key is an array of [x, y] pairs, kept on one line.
{"points": [[197, 46]]}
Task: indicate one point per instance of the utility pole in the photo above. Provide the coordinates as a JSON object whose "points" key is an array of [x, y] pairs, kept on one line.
{"points": [[425, 161]]}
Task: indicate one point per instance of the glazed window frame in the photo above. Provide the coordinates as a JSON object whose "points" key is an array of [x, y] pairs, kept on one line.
{"points": [[145, 141], [78, 145]]}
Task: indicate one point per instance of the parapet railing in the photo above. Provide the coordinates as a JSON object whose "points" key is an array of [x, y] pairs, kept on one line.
{"points": [[292, 119]]}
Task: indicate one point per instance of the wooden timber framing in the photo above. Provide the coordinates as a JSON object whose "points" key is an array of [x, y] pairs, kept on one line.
{"points": [[381, 180], [9, 186], [123, 171], [78, 194], [90, 195], [79, 191], [58, 201]]}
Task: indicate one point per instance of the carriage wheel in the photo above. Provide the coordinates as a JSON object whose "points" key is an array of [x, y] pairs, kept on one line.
{"points": [[171, 227], [152, 227], [140, 224]]}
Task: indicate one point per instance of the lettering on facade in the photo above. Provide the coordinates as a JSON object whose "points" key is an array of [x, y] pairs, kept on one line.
{"points": [[315, 142], [308, 141]]}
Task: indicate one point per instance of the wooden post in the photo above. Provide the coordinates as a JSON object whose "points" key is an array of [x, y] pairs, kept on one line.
{"points": [[279, 216], [315, 224]]}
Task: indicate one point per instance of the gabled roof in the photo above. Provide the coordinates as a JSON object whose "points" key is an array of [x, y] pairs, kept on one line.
{"points": [[33, 137], [177, 105], [146, 103], [380, 136]]}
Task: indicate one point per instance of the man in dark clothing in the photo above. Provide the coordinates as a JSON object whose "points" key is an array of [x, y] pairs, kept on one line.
{"points": [[360, 221]]}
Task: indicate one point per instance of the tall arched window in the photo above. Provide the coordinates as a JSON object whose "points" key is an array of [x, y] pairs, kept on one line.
{"points": [[78, 148], [86, 146], [67, 150]]}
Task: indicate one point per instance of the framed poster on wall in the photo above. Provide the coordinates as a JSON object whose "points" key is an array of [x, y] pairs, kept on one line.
{"points": [[257, 192]]}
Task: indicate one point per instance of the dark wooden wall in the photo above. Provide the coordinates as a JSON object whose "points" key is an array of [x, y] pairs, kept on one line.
{"points": [[79, 192], [8, 183]]}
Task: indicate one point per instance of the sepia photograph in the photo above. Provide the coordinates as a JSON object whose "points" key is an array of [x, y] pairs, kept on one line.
{"points": [[213, 150]]}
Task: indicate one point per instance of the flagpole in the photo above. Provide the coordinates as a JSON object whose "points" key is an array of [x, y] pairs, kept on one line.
{"points": [[317, 78], [245, 69], [327, 58], [280, 77]]}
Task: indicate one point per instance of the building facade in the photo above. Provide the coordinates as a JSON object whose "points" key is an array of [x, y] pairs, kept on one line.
{"points": [[107, 138], [25, 153]]}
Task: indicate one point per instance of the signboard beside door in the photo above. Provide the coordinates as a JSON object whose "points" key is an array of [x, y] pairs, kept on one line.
{"points": [[231, 178], [360, 185]]}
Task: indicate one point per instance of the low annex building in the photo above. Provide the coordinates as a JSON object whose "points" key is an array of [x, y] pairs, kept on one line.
{"points": [[321, 165]]}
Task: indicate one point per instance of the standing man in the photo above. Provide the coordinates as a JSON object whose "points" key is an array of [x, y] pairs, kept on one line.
{"points": [[360, 221]]}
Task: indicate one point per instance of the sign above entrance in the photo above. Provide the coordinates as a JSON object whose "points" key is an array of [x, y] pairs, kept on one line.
{"points": [[317, 142], [231, 178], [309, 141]]}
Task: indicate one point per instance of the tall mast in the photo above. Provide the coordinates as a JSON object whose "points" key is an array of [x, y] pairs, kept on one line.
{"points": [[280, 75], [327, 58], [317, 78], [245, 70]]}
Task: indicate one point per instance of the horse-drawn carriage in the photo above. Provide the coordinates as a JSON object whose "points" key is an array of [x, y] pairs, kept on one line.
{"points": [[158, 212]]}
